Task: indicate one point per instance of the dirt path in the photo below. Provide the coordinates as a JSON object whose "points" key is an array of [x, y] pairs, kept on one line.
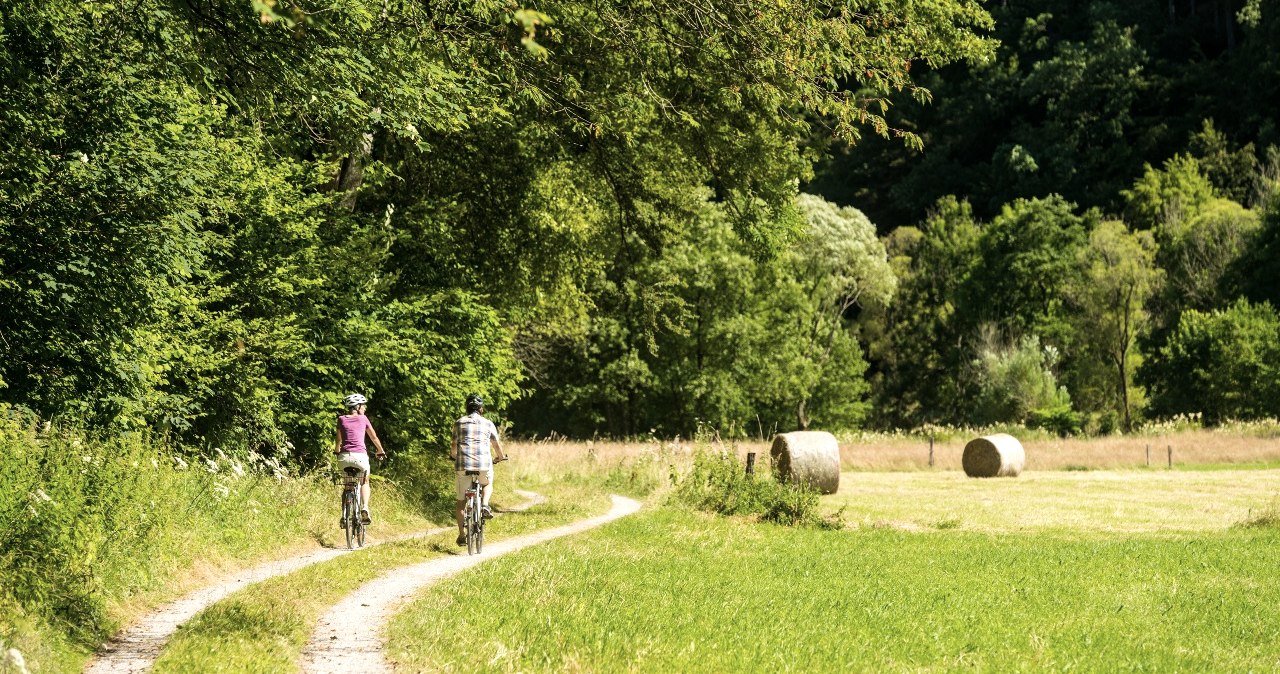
{"points": [[137, 647], [348, 638]]}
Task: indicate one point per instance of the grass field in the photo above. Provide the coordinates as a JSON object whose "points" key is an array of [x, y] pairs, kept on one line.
{"points": [[1136, 501], [671, 590]]}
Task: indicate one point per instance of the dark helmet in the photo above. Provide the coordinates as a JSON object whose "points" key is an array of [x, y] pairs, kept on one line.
{"points": [[474, 403]]}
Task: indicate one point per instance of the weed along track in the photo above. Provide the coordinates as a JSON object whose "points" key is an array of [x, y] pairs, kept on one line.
{"points": [[349, 637], [137, 647]]}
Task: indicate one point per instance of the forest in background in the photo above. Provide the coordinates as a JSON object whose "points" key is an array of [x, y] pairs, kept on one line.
{"points": [[615, 218]]}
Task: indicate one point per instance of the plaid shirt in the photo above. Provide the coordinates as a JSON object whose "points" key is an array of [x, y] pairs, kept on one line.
{"points": [[471, 434]]}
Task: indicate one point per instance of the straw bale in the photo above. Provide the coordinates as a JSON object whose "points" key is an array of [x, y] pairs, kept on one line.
{"points": [[999, 455], [810, 458]]}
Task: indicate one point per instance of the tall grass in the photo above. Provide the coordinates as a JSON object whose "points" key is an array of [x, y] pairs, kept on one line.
{"points": [[94, 530]]}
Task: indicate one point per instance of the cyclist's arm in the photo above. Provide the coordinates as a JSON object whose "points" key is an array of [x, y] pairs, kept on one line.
{"points": [[373, 435], [453, 449], [499, 455], [337, 440]]}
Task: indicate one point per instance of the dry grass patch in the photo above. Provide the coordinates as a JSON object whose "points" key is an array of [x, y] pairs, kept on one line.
{"points": [[1092, 501]]}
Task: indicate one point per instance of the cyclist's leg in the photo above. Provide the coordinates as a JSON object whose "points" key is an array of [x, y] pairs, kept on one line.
{"points": [[486, 479], [461, 482]]}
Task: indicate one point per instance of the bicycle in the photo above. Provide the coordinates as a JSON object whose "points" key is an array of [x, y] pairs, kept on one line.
{"points": [[473, 514], [351, 507]]}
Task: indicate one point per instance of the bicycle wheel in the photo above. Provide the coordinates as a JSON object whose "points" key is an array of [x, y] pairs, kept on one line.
{"points": [[479, 534], [350, 516], [359, 533]]}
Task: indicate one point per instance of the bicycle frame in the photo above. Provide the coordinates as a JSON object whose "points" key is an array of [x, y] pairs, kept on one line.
{"points": [[352, 504], [473, 517]]}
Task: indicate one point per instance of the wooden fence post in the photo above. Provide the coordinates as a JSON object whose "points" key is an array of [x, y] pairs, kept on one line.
{"points": [[1171, 456], [931, 451], [751, 463], [1148, 455]]}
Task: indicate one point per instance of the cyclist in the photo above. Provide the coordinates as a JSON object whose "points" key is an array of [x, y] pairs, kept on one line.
{"points": [[472, 437], [349, 445]]}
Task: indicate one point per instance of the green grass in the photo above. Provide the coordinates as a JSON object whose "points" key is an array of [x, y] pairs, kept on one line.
{"points": [[670, 590], [264, 628]]}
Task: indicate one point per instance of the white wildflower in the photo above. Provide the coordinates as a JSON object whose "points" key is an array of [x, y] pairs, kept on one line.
{"points": [[218, 451], [211, 465], [237, 468], [154, 463], [221, 490], [43, 496], [84, 158], [181, 465], [76, 443], [86, 458]]}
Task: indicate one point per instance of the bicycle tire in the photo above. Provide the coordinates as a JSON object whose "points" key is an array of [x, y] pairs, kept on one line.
{"points": [[359, 533], [348, 510]]}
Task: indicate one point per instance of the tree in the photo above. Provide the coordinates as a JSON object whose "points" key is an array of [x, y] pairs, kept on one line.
{"points": [[918, 343], [1119, 277], [1224, 364], [839, 266]]}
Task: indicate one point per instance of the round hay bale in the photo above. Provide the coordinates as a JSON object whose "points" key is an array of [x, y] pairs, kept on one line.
{"points": [[999, 455], [810, 458]]}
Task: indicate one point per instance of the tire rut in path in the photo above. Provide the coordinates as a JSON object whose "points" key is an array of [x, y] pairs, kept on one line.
{"points": [[348, 638], [137, 647]]}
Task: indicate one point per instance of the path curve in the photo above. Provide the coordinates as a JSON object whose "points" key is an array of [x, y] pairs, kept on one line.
{"points": [[137, 647], [348, 638]]}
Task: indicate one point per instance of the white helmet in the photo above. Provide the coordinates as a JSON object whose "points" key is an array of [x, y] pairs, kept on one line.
{"points": [[355, 399]]}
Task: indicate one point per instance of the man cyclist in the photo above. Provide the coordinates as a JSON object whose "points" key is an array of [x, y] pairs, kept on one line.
{"points": [[473, 435], [350, 448]]}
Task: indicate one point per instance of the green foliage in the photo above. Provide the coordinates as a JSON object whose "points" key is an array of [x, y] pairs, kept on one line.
{"points": [[1120, 276], [1013, 379], [1163, 199], [717, 482], [739, 344], [1223, 363]]}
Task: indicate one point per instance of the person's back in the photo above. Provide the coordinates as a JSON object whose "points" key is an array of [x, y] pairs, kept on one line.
{"points": [[474, 439], [472, 435]]}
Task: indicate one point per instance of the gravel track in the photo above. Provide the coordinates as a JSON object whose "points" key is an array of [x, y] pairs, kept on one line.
{"points": [[137, 647], [348, 638]]}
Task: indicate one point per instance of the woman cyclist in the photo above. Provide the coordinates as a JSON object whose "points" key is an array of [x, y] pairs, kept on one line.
{"points": [[349, 446]]}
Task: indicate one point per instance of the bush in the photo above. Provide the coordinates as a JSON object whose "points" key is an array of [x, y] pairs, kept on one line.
{"points": [[1224, 364], [718, 483], [1059, 419]]}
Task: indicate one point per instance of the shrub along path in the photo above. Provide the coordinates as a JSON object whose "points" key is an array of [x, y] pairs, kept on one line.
{"points": [[136, 648], [349, 637]]}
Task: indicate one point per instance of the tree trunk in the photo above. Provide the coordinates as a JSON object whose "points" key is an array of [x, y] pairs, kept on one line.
{"points": [[351, 174], [802, 418]]}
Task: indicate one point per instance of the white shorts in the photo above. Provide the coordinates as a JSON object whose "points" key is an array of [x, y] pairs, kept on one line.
{"points": [[464, 481], [357, 460]]}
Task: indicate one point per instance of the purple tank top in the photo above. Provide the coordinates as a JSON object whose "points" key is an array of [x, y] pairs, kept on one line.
{"points": [[352, 429]]}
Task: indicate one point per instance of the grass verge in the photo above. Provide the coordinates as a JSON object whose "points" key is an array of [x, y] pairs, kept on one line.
{"points": [[671, 590]]}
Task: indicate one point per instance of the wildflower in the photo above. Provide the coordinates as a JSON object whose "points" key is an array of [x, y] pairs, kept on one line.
{"points": [[154, 463], [86, 458], [221, 490], [43, 496], [211, 465], [237, 468], [181, 465]]}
